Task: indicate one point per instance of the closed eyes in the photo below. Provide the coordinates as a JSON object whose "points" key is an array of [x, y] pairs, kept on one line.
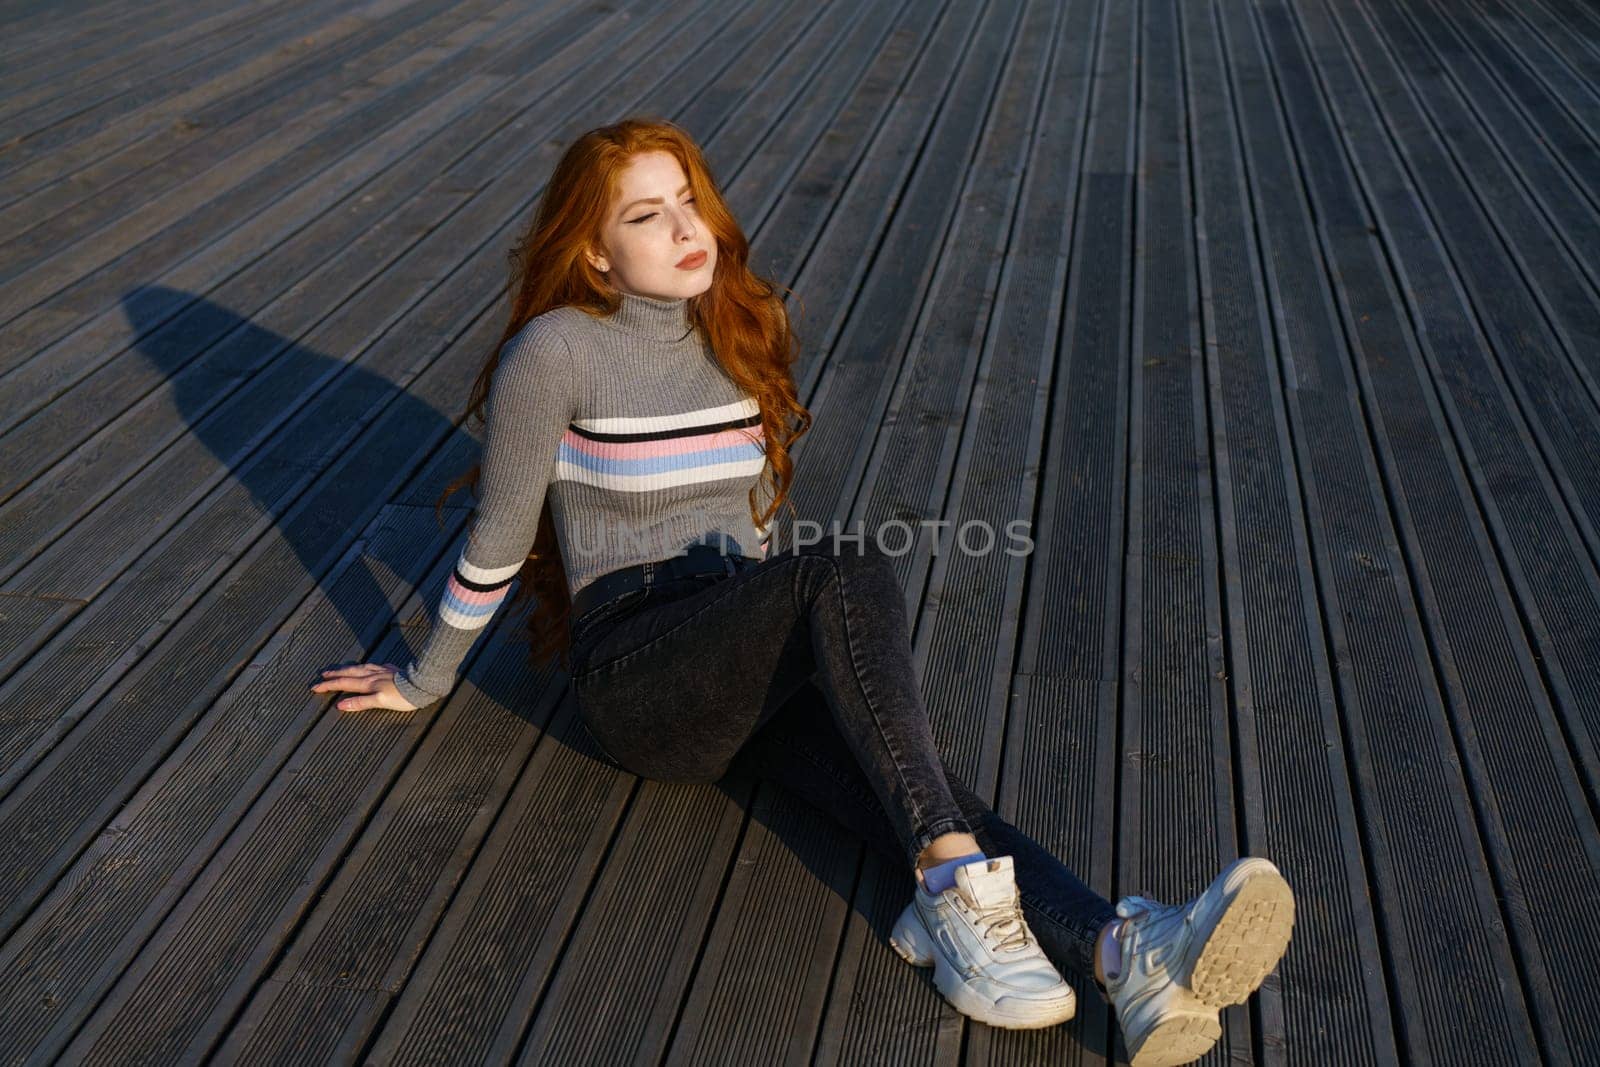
{"points": [[653, 214]]}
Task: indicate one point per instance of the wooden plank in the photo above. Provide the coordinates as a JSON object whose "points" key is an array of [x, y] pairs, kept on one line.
{"points": [[265, 871], [353, 247], [1328, 1001], [130, 355], [1563, 106], [1570, 30], [476, 986], [131, 717], [98, 79], [1512, 736], [296, 450], [1062, 737], [370, 921], [34, 23], [277, 479], [1584, 19], [785, 901], [1514, 269], [1494, 148], [1546, 47], [622, 972], [55, 40], [128, 150], [248, 165], [1416, 816], [58, 151], [208, 447], [868, 349], [1048, 772], [1177, 821], [905, 473], [144, 862], [22, 616]]}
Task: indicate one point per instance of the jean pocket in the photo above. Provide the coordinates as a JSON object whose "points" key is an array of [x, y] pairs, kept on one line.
{"points": [[597, 619]]}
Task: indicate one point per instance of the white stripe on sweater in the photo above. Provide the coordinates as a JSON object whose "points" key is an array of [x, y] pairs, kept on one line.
{"points": [[739, 409]]}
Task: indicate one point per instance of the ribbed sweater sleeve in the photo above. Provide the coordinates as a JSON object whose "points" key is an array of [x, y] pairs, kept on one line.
{"points": [[533, 396]]}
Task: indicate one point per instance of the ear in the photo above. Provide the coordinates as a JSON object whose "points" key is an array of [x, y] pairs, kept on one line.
{"points": [[598, 262]]}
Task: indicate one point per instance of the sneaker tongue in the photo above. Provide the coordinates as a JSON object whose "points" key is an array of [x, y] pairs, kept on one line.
{"points": [[987, 883]]}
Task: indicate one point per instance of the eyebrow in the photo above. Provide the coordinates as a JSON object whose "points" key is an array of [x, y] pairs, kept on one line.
{"points": [[652, 200]]}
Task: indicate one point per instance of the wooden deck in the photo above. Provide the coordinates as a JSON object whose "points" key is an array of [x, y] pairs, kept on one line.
{"points": [[1278, 321]]}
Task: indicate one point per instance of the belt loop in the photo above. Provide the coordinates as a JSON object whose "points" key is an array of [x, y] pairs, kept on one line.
{"points": [[727, 565]]}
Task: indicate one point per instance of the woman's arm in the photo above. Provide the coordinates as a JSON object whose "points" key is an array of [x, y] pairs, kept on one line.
{"points": [[532, 399]]}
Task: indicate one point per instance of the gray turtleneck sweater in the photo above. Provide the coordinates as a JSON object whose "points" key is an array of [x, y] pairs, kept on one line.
{"points": [[644, 445]]}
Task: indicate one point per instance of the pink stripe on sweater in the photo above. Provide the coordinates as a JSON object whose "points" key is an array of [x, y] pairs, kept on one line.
{"points": [[474, 596], [669, 446]]}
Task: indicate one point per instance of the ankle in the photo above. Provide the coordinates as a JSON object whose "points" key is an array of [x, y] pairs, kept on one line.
{"points": [[945, 848], [941, 876], [1107, 954]]}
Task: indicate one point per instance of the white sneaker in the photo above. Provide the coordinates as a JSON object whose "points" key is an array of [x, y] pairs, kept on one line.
{"points": [[985, 960], [1181, 963]]}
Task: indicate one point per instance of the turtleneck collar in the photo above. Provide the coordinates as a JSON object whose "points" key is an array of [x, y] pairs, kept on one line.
{"points": [[646, 316]]}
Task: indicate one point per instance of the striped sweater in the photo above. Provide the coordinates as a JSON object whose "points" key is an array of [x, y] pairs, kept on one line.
{"points": [[642, 442]]}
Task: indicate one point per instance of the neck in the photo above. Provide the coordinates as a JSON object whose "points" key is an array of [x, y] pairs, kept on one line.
{"points": [[653, 318]]}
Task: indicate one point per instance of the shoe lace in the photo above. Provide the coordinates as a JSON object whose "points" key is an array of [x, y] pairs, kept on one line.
{"points": [[1002, 925]]}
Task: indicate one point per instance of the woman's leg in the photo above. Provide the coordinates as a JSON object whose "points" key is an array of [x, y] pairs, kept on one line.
{"points": [[1218, 947], [673, 691], [800, 749]]}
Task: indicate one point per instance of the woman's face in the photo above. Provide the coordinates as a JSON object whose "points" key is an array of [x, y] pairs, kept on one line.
{"points": [[650, 227]]}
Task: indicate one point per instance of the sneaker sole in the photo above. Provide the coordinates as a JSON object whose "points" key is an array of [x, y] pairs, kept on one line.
{"points": [[1176, 1039], [1248, 937], [910, 939]]}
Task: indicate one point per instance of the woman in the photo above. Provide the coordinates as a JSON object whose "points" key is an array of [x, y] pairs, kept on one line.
{"points": [[637, 404]]}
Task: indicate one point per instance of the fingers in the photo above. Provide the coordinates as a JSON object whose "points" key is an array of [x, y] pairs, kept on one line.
{"points": [[357, 679], [365, 687], [354, 671], [334, 676], [366, 679]]}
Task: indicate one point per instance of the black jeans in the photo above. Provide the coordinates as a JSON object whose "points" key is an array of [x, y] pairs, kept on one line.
{"points": [[798, 668]]}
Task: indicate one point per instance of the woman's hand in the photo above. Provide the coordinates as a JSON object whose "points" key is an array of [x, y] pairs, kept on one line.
{"points": [[375, 681]]}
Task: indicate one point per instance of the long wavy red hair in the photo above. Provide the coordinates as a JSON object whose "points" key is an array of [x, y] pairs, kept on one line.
{"points": [[741, 315]]}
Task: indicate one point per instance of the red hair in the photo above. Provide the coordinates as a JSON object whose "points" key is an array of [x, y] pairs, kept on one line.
{"points": [[741, 316]]}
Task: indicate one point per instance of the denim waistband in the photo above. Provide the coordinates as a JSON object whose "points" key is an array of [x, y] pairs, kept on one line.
{"points": [[698, 559]]}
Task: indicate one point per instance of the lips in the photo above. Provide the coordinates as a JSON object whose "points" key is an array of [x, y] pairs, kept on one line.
{"points": [[690, 262]]}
